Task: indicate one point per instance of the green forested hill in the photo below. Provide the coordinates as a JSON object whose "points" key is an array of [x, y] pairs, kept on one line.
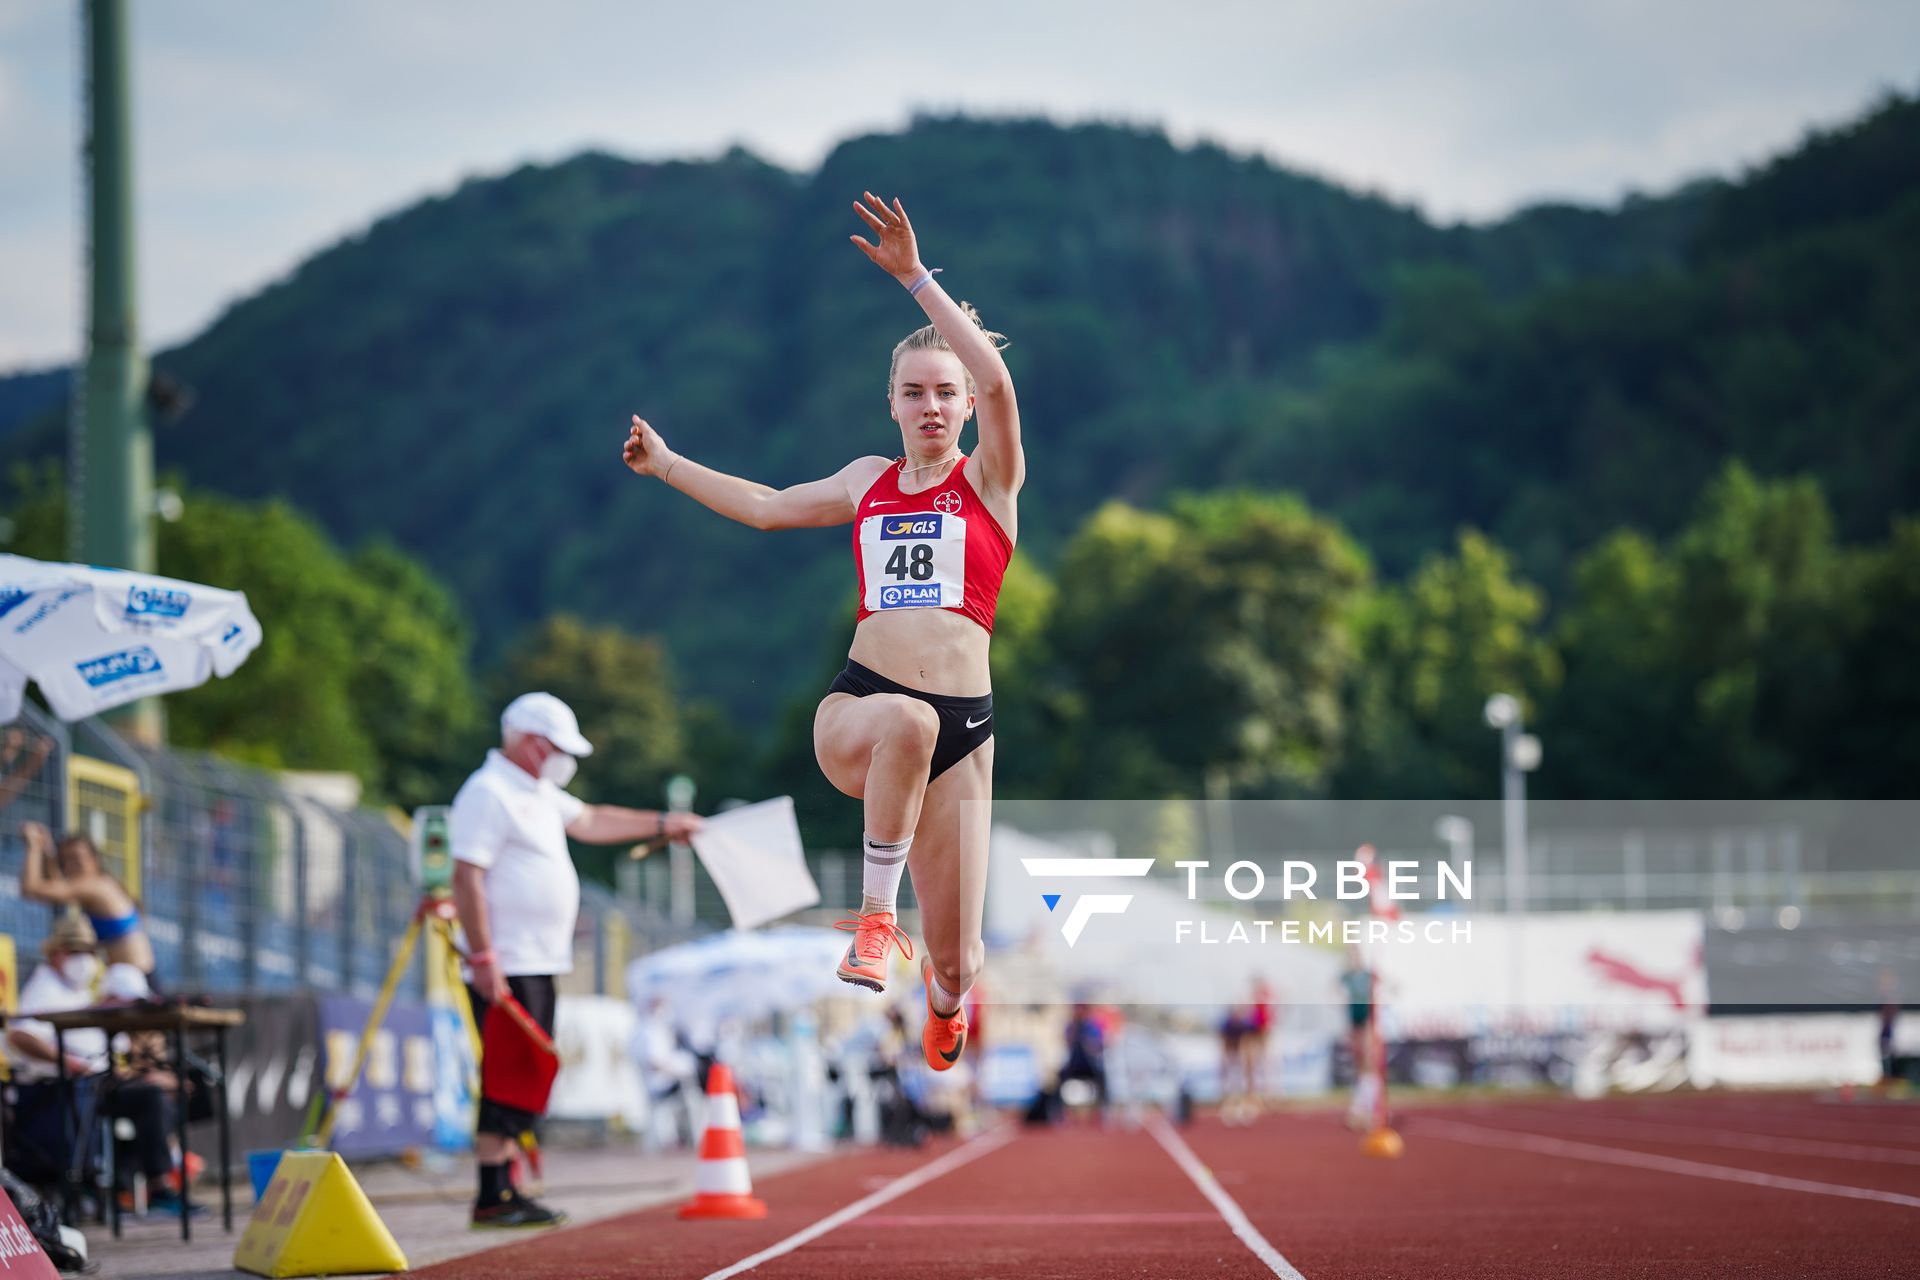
{"points": [[1785, 336], [458, 377]]}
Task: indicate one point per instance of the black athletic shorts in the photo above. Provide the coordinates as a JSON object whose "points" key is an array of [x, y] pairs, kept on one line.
{"points": [[535, 992], [965, 723]]}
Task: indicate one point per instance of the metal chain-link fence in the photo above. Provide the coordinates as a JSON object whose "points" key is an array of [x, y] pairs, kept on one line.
{"points": [[33, 788], [249, 879]]}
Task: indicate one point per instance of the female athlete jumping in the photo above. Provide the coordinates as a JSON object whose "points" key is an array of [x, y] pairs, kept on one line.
{"points": [[908, 726]]}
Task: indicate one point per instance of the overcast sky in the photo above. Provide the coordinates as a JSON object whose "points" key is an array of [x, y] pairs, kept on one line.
{"points": [[266, 131]]}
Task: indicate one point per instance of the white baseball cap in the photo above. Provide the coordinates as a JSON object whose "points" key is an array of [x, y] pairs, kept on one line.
{"points": [[548, 717]]}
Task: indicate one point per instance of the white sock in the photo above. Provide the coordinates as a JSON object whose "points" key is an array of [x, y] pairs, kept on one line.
{"points": [[943, 998], [1366, 1097], [880, 872]]}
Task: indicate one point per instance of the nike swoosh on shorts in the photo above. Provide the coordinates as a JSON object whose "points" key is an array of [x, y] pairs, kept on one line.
{"points": [[975, 724]]}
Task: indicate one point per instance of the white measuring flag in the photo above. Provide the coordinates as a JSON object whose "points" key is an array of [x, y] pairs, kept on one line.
{"points": [[755, 858]]}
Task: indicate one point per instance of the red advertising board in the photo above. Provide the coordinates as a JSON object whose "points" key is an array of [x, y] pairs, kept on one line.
{"points": [[21, 1257]]}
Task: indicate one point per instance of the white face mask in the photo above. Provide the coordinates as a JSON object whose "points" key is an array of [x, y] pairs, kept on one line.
{"points": [[79, 971], [559, 768]]}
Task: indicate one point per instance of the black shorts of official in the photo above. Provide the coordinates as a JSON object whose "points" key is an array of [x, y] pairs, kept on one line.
{"points": [[965, 723], [535, 993]]}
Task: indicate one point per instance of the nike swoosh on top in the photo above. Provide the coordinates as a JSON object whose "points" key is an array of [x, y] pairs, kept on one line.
{"points": [[885, 502], [975, 724]]}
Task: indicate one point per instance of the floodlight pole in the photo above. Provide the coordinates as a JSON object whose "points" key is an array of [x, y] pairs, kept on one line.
{"points": [[113, 456], [111, 485], [1519, 756]]}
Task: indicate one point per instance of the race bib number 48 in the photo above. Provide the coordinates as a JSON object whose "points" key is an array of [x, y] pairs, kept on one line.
{"points": [[914, 561]]}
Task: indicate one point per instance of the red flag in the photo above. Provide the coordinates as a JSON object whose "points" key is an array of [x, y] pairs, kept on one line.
{"points": [[518, 1060]]}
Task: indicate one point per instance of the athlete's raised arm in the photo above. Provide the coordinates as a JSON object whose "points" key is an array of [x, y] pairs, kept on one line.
{"points": [[813, 505], [998, 460]]}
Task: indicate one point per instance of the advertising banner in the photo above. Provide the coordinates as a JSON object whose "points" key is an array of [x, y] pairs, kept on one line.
{"points": [[391, 1106]]}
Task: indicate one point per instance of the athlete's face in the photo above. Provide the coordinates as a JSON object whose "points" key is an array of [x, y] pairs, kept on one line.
{"points": [[930, 401]]}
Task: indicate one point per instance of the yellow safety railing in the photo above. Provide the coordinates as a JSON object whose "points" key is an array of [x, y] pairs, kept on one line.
{"points": [[103, 803]]}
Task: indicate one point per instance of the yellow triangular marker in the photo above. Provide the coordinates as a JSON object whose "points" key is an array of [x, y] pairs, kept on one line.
{"points": [[314, 1220]]}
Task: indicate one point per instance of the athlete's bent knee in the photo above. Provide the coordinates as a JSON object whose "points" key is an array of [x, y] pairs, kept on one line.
{"points": [[960, 973], [911, 726]]}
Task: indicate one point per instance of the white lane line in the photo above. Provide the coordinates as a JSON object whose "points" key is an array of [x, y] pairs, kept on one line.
{"points": [[1542, 1145], [1203, 1178], [985, 1144], [1036, 1219], [1835, 1120], [1694, 1135]]}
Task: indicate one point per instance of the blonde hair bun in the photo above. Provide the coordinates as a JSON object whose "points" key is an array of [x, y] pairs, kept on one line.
{"points": [[928, 338]]}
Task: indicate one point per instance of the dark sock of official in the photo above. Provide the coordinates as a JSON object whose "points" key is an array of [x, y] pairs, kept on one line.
{"points": [[494, 1186]]}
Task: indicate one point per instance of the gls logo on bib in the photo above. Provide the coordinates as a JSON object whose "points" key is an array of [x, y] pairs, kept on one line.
{"points": [[894, 528]]}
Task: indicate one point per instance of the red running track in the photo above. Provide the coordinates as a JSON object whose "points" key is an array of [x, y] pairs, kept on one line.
{"points": [[1668, 1187]]}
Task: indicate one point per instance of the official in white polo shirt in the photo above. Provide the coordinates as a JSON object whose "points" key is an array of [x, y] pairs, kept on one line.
{"points": [[519, 895]]}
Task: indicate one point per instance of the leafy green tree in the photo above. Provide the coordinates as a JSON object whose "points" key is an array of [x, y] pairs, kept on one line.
{"points": [[310, 608], [621, 687], [1616, 727], [1714, 669], [1874, 734], [1462, 628], [410, 676], [35, 517], [1208, 643], [1767, 610], [1031, 699]]}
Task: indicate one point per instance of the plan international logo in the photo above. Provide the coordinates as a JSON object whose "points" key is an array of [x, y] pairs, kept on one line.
{"points": [[1090, 905]]}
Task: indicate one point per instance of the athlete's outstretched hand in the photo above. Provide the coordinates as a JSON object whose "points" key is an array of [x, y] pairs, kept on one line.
{"points": [[645, 453], [897, 254]]}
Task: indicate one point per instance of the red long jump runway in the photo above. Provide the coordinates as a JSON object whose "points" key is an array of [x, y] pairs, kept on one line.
{"points": [[1543, 1191], [1075, 1203], [1672, 1187]]}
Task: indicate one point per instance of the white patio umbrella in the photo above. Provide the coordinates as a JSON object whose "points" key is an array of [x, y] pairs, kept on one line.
{"points": [[741, 974], [94, 638]]}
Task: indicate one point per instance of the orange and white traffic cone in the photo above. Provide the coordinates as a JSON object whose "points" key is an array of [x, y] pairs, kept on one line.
{"points": [[721, 1188]]}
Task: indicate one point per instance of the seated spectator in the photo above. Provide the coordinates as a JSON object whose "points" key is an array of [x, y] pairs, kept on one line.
{"points": [[141, 1092], [40, 1151]]}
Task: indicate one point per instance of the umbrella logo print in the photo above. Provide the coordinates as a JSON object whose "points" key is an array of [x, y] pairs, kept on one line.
{"points": [[1086, 907], [114, 667], [150, 601]]}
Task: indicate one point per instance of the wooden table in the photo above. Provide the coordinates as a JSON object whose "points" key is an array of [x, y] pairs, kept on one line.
{"points": [[176, 1021]]}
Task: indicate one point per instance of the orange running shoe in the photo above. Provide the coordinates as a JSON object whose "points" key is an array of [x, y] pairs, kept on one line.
{"points": [[942, 1039], [874, 936]]}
